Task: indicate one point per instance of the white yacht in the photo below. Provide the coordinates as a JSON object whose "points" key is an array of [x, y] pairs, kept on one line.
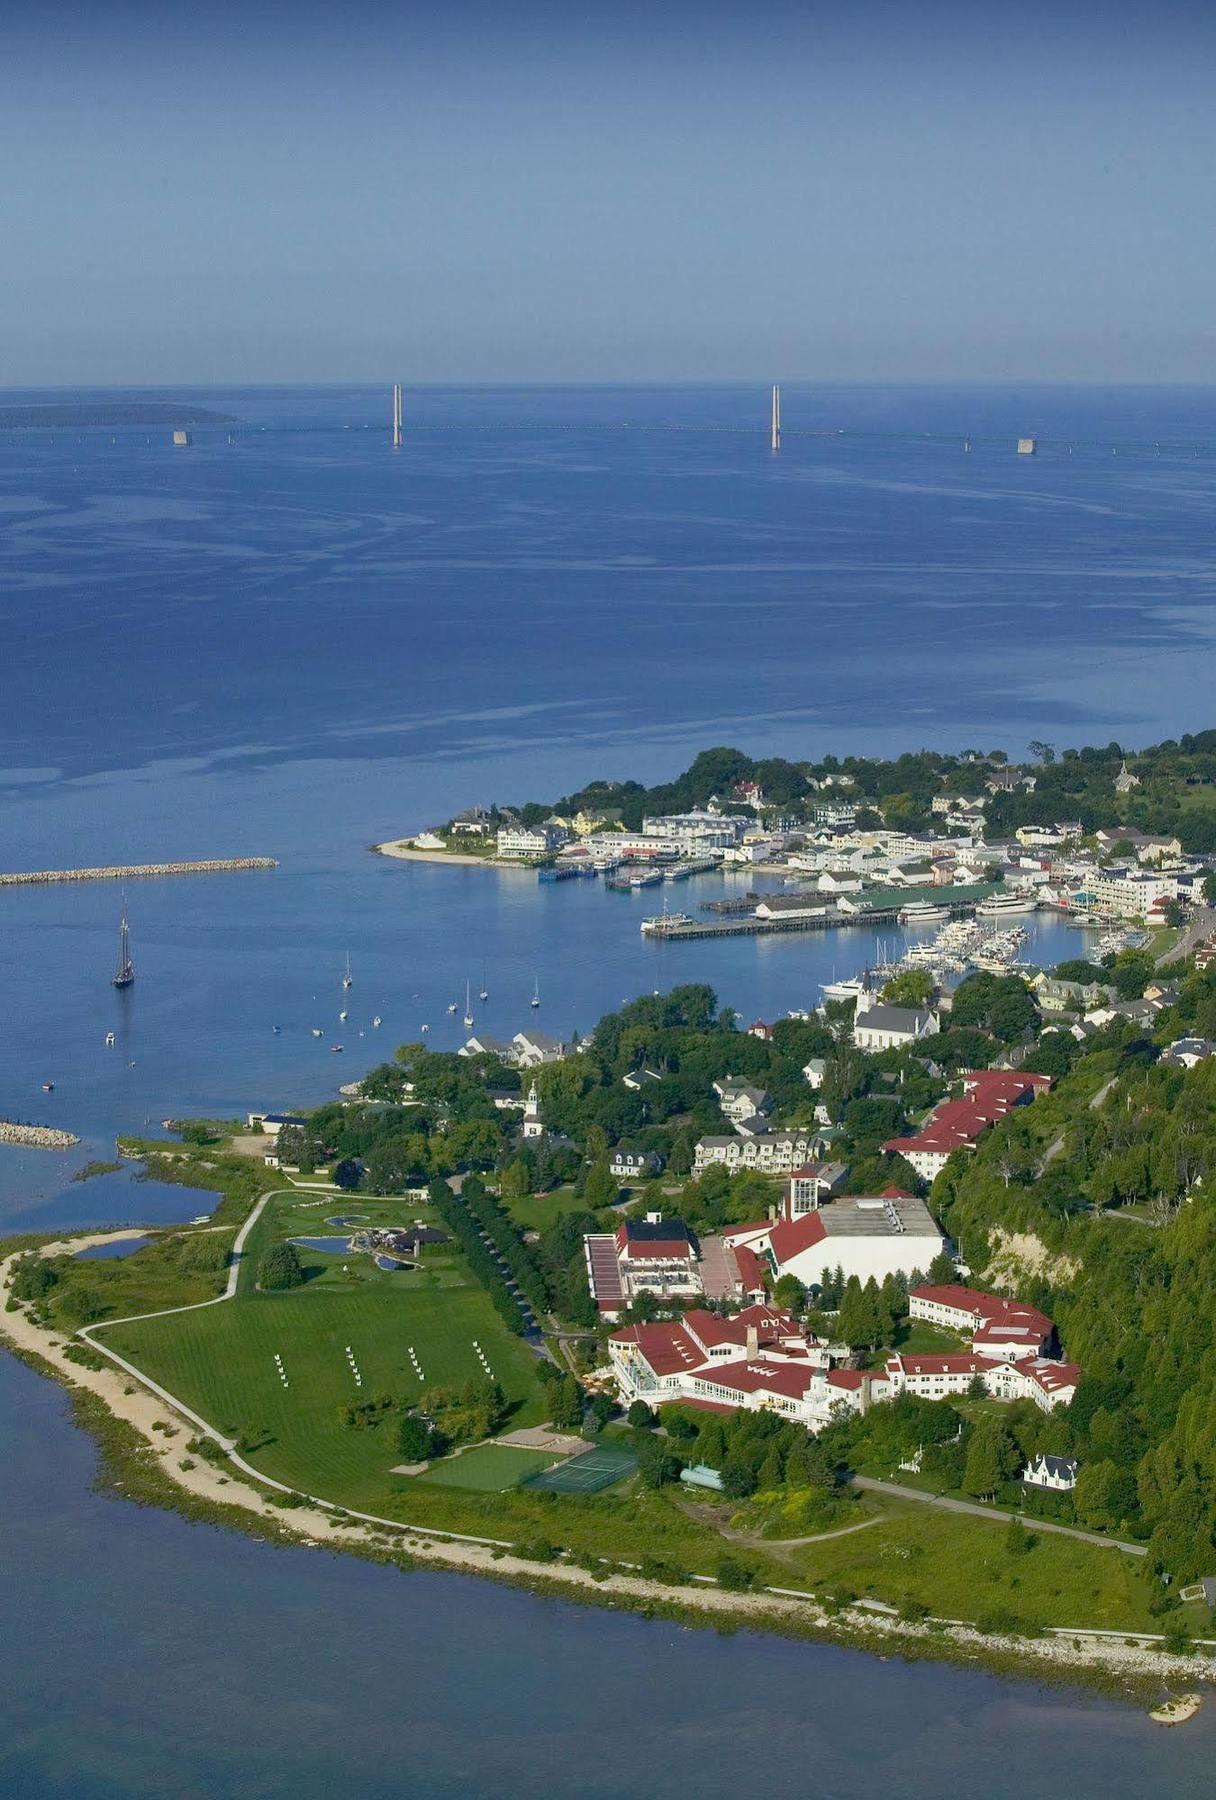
{"points": [[923, 912], [1005, 906]]}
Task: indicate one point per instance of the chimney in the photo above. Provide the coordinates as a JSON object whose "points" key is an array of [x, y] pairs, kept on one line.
{"points": [[753, 1343], [772, 1215], [654, 1218]]}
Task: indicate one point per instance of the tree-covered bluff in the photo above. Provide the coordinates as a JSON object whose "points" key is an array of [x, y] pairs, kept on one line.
{"points": [[1099, 1205]]}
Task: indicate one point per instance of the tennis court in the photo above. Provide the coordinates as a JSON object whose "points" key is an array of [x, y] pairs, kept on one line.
{"points": [[587, 1474]]}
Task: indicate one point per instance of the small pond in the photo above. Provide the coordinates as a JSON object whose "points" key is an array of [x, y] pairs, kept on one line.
{"points": [[350, 1219], [332, 1246], [106, 1252], [390, 1262]]}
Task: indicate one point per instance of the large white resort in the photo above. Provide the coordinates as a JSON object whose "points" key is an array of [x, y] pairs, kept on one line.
{"points": [[762, 1359]]}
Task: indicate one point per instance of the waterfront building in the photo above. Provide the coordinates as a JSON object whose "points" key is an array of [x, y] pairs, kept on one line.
{"points": [[530, 840]]}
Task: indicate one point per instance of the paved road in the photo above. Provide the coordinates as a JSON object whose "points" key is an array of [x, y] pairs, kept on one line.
{"points": [[988, 1512], [1200, 928]]}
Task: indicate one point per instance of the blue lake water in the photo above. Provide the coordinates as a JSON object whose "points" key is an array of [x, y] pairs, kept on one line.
{"points": [[113, 1251], [300, 643]]}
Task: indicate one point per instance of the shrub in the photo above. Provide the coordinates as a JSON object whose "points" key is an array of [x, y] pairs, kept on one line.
{"points": [[735, 1576]]}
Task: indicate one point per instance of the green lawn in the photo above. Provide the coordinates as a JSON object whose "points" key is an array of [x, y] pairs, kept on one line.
{"points": [[488, 1469], [220, 1361], [536, 1212]]}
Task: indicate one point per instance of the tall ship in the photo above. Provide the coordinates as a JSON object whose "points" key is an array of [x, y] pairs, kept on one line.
{"points": [[124, 970]]}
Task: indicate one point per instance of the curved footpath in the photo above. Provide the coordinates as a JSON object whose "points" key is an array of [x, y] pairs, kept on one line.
{"points": [[871, 1625]]}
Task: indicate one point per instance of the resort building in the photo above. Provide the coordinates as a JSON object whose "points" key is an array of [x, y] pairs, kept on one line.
{"points": [[891, 1233], [998, 1327], [988, 1096], [760, 1360], [653, 1255], [529, 840], [1049, 1384]]}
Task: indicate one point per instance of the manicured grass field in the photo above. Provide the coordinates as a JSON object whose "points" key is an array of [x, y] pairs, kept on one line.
{"points": [[221, 1361], [536, 1212], [488, 1469]]}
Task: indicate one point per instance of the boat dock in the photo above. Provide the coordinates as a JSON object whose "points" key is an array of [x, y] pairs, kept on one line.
{"points": [[136, 871], [682, 927]]}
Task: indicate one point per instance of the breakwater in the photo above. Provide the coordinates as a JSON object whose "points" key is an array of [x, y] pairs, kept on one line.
{"points": [[136, 871], [36, 1137]]}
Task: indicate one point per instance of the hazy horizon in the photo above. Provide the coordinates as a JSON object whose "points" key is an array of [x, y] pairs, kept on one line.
{"points": [[594, 194]]}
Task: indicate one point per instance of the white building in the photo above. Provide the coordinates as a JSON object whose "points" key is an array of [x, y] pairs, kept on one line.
{"points": [[759, 1361], [738, 1100], [695, 833], [769, 1152], [1049, 1384], [865, 1235], [880, 1027], [533, 1124], [1054, 1474], [530, 840]]}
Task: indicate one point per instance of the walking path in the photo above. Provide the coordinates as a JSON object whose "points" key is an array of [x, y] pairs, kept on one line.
{"points": [[156, 1415], [899, 1492]]}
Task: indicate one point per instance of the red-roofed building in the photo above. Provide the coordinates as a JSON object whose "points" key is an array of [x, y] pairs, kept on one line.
{"points": [[998, 1326], [1048, 1384], [861, 1234], [661, 1257], [988, 1095], [758, 1360]]}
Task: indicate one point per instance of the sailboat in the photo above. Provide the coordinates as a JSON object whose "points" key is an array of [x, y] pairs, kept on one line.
{"points": [[347, 978], [124, 972], [485, 992], [536, 991], [468, 1007]]}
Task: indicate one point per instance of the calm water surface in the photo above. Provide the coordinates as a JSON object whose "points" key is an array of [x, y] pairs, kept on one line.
{"points": [[298, 644]]}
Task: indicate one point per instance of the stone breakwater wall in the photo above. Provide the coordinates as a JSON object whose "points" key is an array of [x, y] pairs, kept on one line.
{"points": [[133, 871], [36, 1137]]}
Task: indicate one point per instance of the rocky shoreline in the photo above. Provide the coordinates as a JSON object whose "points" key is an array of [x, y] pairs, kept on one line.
{"points": [[36, 1137]]}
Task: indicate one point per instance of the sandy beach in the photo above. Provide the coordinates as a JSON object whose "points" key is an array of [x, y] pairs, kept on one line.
{"points": [[224, 1486], [405, 851]]}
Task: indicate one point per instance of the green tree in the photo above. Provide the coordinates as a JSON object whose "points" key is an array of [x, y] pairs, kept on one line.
{"points": [[348, 1174], [600, 1188], [790, 1294], [280, 1268], [413, 1438], [640, 1415], [772, 1469], [738, 1478], [567, 1404], [911, 987]]}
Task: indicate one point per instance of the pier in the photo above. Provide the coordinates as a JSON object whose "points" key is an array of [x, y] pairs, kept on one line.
{"points": [[136, 871]]}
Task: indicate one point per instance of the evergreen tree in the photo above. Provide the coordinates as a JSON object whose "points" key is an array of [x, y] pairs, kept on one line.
{"points": [[566, 1404], [772, 1469]]}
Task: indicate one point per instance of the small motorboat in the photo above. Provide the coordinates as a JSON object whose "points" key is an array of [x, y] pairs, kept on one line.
{"points": [[424, 1028], [335, 1049], [277, 1029], [48, 1087], [317, 1032], [109, 1040], [342, 1017], [376, 1021], [451, 1006]]}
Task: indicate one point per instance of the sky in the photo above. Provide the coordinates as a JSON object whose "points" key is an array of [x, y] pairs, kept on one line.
{"points": [[539, 191]]}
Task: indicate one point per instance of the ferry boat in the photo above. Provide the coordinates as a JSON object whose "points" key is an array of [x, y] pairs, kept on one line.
{"points": [[923, 912], [1005, 906], [665, 922]]}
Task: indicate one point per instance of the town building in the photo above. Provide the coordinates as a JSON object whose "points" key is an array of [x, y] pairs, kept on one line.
{"points": [[635, 1165], [809, 1187], [739, 1101], [768, 1152], [988, 1096], [533, 1123], [1052, 1474], [529, 1049], [880, 1027]]}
